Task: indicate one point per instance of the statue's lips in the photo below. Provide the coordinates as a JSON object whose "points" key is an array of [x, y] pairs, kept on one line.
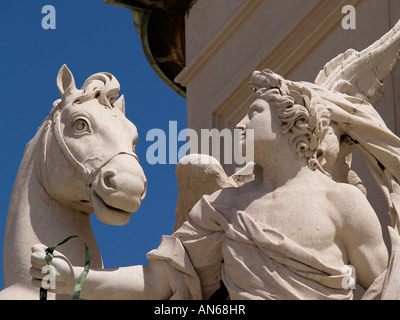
{"points": [[100, 204]]}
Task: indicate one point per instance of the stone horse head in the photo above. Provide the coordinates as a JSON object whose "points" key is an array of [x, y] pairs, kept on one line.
{"points": [[81, 160], [95, 145]]}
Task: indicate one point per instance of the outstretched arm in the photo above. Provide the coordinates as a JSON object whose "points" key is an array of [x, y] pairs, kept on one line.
{"points": [[134, 282]]}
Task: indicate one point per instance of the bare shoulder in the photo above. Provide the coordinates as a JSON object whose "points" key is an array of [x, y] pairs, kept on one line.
{"points": [[353, 210], [361, 233], [346, 195]]}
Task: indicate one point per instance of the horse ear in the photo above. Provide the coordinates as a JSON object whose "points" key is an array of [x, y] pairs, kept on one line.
{"points": [[120, 104], [65, 80]]}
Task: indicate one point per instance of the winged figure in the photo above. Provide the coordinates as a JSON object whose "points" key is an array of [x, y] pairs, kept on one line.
{"points": [[352, 85], [366, 75]]}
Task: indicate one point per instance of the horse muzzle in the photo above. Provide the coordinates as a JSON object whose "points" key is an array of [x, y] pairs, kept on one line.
{"points": [[118, 190]]}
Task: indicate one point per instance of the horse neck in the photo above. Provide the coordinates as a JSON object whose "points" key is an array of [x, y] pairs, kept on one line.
{"points": [[34, 217]]}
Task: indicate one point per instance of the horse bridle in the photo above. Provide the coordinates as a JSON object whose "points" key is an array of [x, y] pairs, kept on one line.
{"points": [[88, 174]]}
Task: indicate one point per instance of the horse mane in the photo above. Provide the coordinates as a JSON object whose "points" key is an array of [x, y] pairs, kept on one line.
{"points": [[103, 86]]}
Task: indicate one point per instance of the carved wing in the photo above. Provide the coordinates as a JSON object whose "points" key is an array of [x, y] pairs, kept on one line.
{"points": [[198, 175], [364, 74]]}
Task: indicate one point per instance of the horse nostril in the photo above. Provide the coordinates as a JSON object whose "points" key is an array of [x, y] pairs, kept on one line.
{"points": [[107, 180]]}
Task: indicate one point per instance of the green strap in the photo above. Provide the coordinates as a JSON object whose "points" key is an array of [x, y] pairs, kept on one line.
{"points": [[78, 286]]}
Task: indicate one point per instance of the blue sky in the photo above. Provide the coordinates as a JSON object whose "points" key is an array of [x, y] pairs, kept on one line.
{"points": [[90, 37]]}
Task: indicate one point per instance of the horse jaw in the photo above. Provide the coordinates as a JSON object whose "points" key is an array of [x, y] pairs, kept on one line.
{"points": [[108, 214]]}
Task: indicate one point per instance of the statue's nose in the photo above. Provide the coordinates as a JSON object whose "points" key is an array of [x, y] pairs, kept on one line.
{"points": [[242, 124]]}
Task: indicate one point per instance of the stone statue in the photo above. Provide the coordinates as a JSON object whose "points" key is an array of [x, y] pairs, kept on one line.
{"points": [[81, 160], [302, 228]]}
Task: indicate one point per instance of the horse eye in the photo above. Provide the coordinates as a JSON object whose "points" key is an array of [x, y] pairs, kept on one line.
{"points": [[80, 126]]}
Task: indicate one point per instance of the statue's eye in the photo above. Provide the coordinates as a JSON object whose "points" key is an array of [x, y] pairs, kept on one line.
{"points": [[81, 126], [253, 110]]}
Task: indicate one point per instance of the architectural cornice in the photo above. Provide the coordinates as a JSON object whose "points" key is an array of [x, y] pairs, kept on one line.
{"points": [[290, 50], [217, 43]]}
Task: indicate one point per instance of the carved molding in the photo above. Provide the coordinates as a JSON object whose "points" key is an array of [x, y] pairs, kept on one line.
{"points": [[284, 58], [292, 47], [216, 44]]}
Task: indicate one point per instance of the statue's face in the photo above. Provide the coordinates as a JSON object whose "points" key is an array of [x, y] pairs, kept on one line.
{"points": [[330, 146], [262, 120]]}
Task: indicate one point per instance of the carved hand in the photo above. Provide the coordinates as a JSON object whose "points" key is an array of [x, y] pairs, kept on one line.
{"points": [[58, 277]]}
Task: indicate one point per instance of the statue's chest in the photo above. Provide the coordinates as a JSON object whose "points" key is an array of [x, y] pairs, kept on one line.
{"points": [[306, 221]]}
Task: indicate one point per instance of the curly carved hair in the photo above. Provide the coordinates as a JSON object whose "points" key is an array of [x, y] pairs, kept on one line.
{"points": [[102, 86], [302, 115]]}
